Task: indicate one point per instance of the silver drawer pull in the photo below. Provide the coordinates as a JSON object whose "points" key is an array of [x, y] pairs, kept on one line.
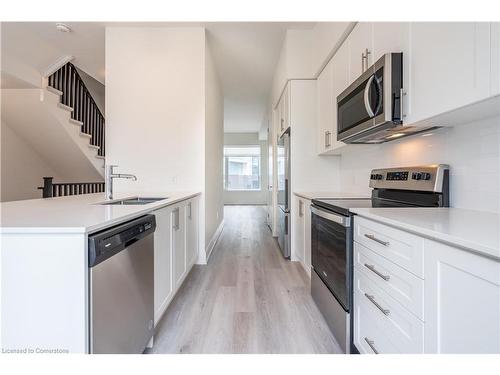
{"points": [[373, 238], [371, 344], [371, 267], [372, 300]]}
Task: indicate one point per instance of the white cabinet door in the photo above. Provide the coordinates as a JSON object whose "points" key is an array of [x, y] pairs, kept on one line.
{"points": [[179, 244], [495, 58], [394, 37], [298, 228], [340, 76], [307, 234], [462, 301], [360, 42], [163, 287], [191, 232], [325, 103], [450, 66]]}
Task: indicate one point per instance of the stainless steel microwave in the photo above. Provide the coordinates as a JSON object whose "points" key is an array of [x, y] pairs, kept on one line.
{"points": [[370, 109]]}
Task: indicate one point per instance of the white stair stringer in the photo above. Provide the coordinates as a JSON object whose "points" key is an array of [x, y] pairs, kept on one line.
{"points": [[38, 116]]}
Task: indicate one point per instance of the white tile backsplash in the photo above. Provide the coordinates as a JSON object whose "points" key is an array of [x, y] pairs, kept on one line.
{"points": [[472, 151]]}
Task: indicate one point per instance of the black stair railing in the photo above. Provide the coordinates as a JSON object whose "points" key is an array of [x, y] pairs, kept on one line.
{"points": [[76, 95], [51, 190]]}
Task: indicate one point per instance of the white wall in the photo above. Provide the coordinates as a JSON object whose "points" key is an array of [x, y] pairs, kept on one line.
{"points": [[249, 197], [155, 102], [214, 136], [96, 89], [472, 151], [22, 168]]}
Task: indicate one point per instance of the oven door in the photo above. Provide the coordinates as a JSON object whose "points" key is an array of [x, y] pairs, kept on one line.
{"points": [[331, 245]]}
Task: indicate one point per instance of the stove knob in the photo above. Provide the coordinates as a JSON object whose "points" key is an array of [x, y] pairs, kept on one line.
{"points": [[379, 177], [426, 176], [416, 176]]}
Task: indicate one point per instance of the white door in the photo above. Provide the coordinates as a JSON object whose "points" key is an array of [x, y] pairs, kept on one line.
{"points": [[360, 41], [163, 287], [178, 222], [461, 301], [191, 233], [325, 104], [450, 66]]}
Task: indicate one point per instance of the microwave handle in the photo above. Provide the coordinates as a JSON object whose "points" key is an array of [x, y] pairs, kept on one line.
{"points": [[368, 107]]}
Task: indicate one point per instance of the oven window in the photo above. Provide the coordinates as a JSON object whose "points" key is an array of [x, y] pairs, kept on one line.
{"points": [[330, 256]]}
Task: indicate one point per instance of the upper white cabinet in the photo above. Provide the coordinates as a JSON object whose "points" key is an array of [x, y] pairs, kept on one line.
{"points": [[360, 43], [449, 67], [326, 104], [331, 82], [462, 301]]}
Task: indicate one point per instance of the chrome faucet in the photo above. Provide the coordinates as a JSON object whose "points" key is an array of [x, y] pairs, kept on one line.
{"points": [[109, 176]]}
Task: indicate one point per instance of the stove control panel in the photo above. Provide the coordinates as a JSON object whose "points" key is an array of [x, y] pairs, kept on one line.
{"points": [[419, 178]]}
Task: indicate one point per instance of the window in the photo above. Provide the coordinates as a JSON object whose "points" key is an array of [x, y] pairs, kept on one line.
{"points": [[242, 167]]}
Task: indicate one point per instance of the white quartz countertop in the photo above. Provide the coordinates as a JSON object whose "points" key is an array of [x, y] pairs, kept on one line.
{"points": [[77, 213], [330, 195], [471, 230]]}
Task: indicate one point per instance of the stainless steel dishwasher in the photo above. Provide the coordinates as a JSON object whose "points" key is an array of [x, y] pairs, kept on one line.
{"points": [[121, 270]]}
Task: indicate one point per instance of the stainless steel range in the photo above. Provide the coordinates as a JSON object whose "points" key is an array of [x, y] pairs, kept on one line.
{"points": [[331, 231]]}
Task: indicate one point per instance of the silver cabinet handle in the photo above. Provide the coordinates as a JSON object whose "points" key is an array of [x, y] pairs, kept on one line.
{"points": [[372, 300], [190, 210], [301, 208], [176, 219], [328, 138], [371, 344], [373, 238], [371, 267], [401, 96], [364, 60]]}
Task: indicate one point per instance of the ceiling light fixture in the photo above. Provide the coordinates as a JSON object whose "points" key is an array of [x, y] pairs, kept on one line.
{"points": [[63, 28]]}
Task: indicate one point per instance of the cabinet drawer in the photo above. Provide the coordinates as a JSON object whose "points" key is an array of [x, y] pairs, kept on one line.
{"points": [[403, 286], [394, 329], [402, 248]]}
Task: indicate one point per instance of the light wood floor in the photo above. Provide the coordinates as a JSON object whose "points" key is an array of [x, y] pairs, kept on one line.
{"points": [[248, 299]]}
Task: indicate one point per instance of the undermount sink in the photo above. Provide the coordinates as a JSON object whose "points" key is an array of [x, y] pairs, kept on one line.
{"points": [[137, 201]]}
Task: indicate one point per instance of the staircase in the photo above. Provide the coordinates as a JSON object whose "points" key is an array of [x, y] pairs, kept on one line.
{"points": [[62, 123]]}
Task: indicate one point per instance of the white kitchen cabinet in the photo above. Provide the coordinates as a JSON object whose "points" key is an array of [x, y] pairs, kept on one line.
{"points": [[179, 244], [391, 37], [283, 109], [333, 80], [450, 67], [163, 287], [495, 58], [301, 231], [360, 44], [325, 104], [191, 233], [462, 301]]}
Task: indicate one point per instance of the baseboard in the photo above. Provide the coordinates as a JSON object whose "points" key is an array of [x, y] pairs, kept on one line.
{"points": [[214, 239], [307, 269]]}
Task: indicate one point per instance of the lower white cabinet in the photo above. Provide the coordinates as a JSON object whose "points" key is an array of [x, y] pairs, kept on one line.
{"points": [[301, 231], [462, 301], [453, 306], [176, 250], [191, 232]]}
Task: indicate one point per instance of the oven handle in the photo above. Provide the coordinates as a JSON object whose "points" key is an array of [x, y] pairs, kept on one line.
{"points": [[342, 220]]}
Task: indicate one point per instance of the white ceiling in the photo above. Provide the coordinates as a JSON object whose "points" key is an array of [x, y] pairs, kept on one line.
{"points": [[245, 55]]}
